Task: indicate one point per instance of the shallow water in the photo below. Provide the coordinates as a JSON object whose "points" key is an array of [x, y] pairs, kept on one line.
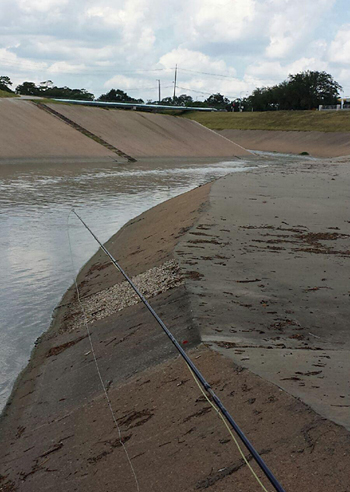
{"points": [[35, 261]]}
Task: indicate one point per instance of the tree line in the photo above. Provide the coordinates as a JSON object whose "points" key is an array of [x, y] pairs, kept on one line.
{"points": [[45, 89], [305, 90]]}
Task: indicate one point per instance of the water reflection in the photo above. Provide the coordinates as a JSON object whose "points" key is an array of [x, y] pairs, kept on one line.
{"points": [[35, 261]]}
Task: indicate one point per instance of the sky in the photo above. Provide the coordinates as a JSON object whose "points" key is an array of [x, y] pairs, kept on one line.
{"points": [[226, 46]]}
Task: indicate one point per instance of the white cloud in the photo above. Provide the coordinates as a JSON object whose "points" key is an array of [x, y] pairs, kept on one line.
{"points": [[31, 6], [304, 64], [71, 49], [339, 50], [10, 60], [252, 42], [129, 83], [195, 60], [64, 67], [292, 22], [131, 18], [219, 20], [268, 72]]}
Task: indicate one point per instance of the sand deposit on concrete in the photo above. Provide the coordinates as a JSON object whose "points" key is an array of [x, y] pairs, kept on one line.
{"points": [[317, 144]]}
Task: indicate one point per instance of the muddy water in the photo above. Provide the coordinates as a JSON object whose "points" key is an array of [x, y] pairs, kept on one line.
{"points": [[35, 261]]}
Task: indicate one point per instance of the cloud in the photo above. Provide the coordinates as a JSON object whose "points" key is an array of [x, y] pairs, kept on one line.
{"points": [[195, 60], [293, 22], [250, 41], [126, 82], [41, 5], [10, 60], [217, 21], [268, 72], [339, 50], [131, 19], [64, 67]]}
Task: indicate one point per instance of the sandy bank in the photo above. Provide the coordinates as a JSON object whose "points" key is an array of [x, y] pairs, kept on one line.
{"points": [[318, 144], [57, 433]]}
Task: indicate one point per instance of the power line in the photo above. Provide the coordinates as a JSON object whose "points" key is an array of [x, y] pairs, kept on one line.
{"points": [[48, 65], [201, 92], [208, 73]]}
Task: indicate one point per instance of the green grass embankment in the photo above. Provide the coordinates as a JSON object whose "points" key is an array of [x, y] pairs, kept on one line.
{"points": [[320, 121], [7, 94]]}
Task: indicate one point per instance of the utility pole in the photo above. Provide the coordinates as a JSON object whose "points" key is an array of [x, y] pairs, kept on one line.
{"points": [[175, 83], [159, 98]]}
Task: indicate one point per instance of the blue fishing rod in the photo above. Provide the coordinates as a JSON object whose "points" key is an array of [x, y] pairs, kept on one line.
{"points": [[270, 476]]}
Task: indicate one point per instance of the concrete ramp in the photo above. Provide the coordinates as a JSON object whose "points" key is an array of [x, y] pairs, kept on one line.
{"points": [[28, 132], [317, 144], [151, 135]]}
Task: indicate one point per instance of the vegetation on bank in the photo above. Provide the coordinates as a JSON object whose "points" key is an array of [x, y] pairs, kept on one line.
{"points": [[48, 89], [303, 91], [320, 121], [7, 94]]}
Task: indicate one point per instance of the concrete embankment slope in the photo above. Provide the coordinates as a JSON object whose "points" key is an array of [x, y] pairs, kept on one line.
{"points": [[317, 144], [58, 433], [151, 135], [27, 132]]}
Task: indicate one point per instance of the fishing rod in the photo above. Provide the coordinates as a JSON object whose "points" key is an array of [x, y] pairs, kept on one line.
{"points": [[193, 367]]}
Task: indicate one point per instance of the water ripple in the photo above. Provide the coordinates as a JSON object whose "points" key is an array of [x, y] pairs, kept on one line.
{"points": [[35, 263]]}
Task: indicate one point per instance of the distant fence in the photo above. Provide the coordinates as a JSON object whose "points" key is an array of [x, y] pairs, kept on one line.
{"points": [[334, 107]]}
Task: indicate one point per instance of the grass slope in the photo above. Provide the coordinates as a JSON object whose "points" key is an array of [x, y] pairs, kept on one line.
{"points": [[7, 94], [321, 121]]}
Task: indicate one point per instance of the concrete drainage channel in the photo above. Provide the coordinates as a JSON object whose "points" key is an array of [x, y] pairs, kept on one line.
{"points": [[84, 131]]}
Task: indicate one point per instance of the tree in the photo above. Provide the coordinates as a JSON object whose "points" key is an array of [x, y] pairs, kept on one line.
{"points": [[183, 100], [28, 89], [47, 89], [67, 93], [218, 101], [117, 95], [5, 83], [305, 90], [311, 89]]}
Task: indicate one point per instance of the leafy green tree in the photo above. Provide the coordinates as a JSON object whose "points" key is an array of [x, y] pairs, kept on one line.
{"points": [[305, 90], [28, 89], [313, 88], [183, 100], [117, 95], [218, 101], [5, 83], [167, 101], [67, 93], [47, 89]]}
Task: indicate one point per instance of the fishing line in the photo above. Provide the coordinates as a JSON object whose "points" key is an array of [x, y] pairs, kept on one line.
{"points": [[96, 363], [217, 410], [225, 414]]}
